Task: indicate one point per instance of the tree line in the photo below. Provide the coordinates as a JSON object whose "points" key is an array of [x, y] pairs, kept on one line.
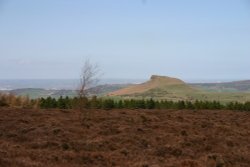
{"points": [[9, 100], [104, 103]]}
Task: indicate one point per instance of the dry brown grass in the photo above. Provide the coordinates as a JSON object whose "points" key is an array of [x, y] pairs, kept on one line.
{"points": [[134, 138]]}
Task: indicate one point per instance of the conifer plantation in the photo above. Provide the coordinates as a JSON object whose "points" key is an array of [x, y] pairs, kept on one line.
{"points": [[104, 103]]}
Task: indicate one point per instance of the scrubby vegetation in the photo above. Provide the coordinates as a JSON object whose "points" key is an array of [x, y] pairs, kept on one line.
{"points": [[10, 100], [124, 138]]}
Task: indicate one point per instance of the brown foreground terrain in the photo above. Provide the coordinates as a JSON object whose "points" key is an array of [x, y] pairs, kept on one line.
{"points": [[125, 138]]}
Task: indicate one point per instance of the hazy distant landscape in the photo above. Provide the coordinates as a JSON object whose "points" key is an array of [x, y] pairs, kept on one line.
{"points": [[56, 84], [222, 91]]}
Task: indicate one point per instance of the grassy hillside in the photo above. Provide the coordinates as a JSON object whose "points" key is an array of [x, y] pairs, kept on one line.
{"points": [[174, 89], [102, 90], [155, 82]]}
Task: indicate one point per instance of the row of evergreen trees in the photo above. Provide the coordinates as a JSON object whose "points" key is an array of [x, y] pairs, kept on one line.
{"points": [[103, 103]]}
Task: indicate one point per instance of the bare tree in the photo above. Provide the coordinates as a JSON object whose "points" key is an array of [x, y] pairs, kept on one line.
{"points": [[89, 78]]}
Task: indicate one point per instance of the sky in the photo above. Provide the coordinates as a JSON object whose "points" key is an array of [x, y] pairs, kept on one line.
{"points": [[191, 40]]}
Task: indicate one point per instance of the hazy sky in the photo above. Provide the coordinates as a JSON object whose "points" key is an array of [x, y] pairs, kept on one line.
{"points": [[189, 39]]}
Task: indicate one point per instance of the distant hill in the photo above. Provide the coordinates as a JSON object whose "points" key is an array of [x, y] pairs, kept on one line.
{"points": [[154, 82], [236, 86], [162, 87], [155, 87], [38, 92]]}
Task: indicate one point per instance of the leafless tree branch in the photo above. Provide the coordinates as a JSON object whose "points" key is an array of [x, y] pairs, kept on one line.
{"points": [[89, 78]]}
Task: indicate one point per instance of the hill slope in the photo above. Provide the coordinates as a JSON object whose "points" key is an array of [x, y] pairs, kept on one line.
{"points": [[167, 88], [156, 85], [154, 82]]}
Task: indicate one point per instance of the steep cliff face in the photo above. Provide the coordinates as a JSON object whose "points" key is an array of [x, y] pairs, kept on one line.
{"points": [[164, 80]]}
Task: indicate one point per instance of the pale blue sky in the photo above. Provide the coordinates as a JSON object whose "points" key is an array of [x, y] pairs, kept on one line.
{"points": [[194, 39]]}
